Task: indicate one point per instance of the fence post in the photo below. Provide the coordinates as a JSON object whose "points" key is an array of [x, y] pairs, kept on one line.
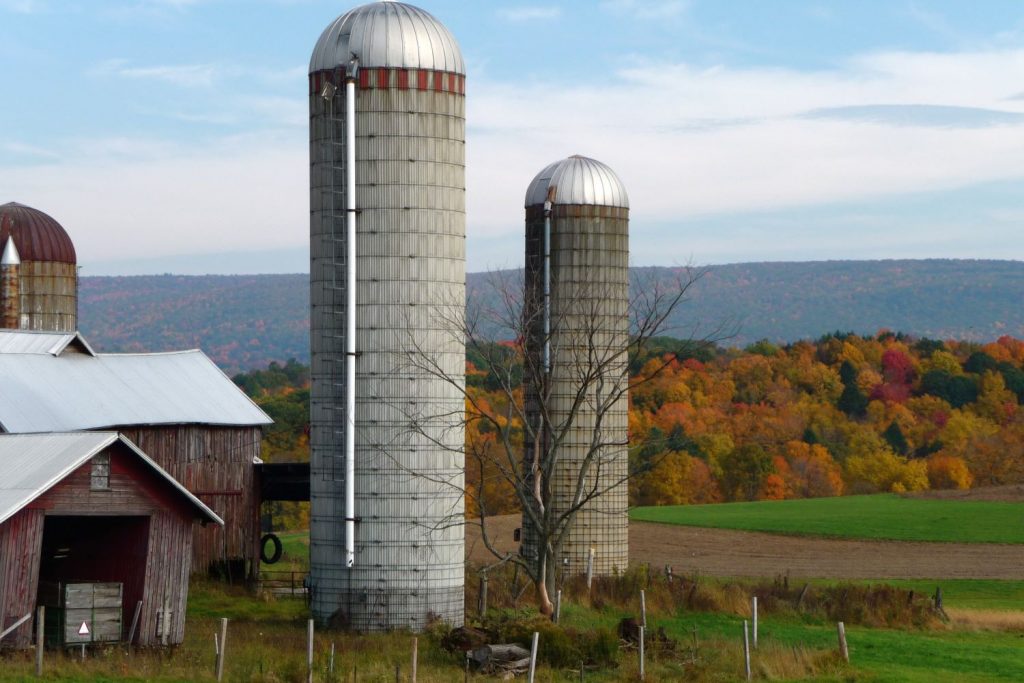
{"points": [[841, 632], [753, 609], [483, 596], [746, 649], [558, 606], [643, 609], [309, 653], [222, 653], [642, 653], [590, 569], [40, 639], [668, 572], [415, 657], [533, 656], [330, 662]]}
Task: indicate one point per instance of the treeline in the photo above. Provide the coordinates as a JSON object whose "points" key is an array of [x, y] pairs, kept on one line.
{"points": [[844, 414]]}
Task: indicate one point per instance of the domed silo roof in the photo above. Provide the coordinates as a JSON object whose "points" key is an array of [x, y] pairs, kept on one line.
{"points": [[37, 236], [388, 35], [578, 180]]}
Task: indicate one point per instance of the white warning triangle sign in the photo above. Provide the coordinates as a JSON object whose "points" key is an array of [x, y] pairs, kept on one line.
{"points": [[83, 630]]}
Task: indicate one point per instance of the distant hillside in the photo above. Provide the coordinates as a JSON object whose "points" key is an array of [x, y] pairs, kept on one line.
{"points": [[246, 321]]}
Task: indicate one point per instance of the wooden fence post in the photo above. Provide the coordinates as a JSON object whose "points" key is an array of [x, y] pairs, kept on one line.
{"points": [[222, 652], [590, 569], [841, 632], [533, 656], [746, 649], [558, 606], [40, 639], [642, 675], [483, 596]]}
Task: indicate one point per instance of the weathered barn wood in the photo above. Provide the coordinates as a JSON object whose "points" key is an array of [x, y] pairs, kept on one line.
{"points": [[126, 522], [19, 569], [216, 465]]}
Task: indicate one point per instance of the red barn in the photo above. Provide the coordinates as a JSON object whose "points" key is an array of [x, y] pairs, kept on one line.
{"points": [[178, 407], [91, 507]]}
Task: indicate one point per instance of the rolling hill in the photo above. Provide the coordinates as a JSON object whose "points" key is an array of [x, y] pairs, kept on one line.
{"points": [[246, 321]]}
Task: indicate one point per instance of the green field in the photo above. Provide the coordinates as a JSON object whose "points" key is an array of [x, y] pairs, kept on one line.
{"points": [[885, 517]]}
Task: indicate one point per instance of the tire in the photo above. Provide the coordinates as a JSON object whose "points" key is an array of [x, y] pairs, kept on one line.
{"points": [[278, 549]]}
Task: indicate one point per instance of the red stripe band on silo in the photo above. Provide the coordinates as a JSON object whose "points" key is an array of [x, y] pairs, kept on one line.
{"points": [[395, 79]]}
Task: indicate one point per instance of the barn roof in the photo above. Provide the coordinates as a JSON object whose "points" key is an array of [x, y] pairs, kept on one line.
{"points": [[52, 343], [34, 463], [46, 391]]}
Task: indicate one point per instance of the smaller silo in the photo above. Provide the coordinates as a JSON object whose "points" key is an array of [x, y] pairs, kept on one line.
{"points": [[576, 313], [48, 272]]}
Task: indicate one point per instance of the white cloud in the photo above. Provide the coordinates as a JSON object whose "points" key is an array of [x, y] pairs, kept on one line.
{"points": [[22, 6], [185, 75], [530, 13], [692, 142]]}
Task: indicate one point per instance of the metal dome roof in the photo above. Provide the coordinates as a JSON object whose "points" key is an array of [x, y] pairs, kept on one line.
{"points": [[36, 236], [578, 180], [391, 35]]}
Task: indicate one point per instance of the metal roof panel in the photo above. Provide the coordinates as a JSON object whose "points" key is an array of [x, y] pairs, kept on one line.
{"points": [[32, 464], [46, 393], [389, 35]]}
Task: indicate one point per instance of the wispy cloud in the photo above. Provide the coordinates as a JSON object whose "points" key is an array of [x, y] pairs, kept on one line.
{"points": [[22, 149], [530, 13], [185, 75], [647, 9], [22, 6]]}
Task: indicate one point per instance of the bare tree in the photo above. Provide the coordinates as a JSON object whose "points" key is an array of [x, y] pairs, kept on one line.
{"points": [[557, 436]]}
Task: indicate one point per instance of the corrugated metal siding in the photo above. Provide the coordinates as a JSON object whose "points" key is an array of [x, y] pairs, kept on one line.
{"points": [[76, 391], [41, 343], [589, 312], [411, 270], [21, 539]]}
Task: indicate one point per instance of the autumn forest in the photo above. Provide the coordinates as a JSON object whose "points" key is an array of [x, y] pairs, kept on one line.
{"points": [[840, 415]]}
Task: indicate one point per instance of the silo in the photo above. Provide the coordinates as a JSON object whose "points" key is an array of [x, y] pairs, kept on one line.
{"points": [[387, 244], [576, 315], [47, 272]]}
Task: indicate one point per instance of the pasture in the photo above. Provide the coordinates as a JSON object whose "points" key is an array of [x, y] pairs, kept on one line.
{"points": [[888, 517]]}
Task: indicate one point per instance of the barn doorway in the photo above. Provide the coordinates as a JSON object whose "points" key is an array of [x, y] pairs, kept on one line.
{"points": [[97, 549]]}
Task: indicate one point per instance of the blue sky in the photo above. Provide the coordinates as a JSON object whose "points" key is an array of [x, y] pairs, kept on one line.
{"points": [[170, 135]]}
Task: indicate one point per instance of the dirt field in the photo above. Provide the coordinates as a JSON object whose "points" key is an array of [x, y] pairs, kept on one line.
{"points": [[1012, 493], [740, 553]]}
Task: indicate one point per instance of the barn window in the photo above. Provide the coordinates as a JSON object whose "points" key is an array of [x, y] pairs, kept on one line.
{"points": [[100, 479]]}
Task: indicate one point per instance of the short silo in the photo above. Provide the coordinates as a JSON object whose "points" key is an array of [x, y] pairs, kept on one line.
{"points": [[387, 149], [576, 316], [40, 269]]}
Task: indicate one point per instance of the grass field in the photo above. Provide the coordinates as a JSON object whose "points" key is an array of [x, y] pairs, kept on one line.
{"points": [[880, 517]]}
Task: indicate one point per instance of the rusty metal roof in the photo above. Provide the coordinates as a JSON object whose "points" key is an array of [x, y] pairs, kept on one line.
{"points": [[43, 392], [578, 180], [389, 35], [31, 465], [37, 236]]}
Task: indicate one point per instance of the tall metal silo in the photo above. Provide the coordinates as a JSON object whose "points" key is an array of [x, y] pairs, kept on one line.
{"points": [[576, 313], [387, 242], [46, 270]]}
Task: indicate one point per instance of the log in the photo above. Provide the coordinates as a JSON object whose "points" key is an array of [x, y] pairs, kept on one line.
{"points": [[500, 658]]}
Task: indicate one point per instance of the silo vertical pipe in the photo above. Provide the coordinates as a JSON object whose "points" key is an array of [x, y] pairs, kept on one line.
{"points": [[547, 283], [350, 318]]}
